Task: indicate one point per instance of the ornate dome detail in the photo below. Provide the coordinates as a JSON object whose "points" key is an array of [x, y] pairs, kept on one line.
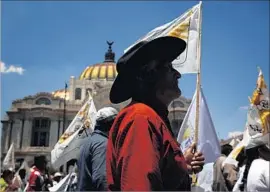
{"points": [[102, 71], [109, 55]]}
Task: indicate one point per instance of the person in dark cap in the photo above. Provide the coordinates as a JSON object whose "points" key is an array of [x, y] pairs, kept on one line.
{"points": [[92, 161], [37, 175], [142, 153]]}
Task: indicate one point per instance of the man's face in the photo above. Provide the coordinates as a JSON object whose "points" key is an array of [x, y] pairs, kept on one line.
{"points": [[168, 82]]}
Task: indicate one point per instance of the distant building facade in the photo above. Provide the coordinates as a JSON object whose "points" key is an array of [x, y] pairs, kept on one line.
{"points": [[35, 123]]}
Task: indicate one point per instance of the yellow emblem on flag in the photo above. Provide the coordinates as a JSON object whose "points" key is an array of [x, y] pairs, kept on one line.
{"points": [[182, 29], [260, 98], [186, 134]]}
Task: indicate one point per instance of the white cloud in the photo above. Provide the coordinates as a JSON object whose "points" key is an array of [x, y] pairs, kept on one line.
{"points": [[243, 108], [10, 69], [234, 134]]}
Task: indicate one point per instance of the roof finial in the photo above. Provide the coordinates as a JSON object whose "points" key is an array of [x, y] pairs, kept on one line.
{"points": [[109, 55]]}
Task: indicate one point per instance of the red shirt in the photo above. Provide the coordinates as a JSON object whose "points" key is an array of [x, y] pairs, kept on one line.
{"points": [[36, 180], [143, 155]]}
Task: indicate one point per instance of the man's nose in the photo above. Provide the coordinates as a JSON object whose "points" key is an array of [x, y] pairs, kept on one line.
{"points": [[177, 74]]}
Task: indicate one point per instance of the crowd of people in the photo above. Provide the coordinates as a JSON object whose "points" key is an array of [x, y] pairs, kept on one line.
{"points": [[135, 149]]}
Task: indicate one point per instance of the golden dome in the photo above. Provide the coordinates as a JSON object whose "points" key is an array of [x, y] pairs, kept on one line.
{"points": [[100, 71]]}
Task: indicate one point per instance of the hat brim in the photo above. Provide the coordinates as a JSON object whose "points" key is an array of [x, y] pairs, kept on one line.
{"points": [[163, 48]]}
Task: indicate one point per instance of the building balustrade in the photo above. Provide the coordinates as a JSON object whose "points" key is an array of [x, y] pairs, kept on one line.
{"points": [[50, 107], [33, 149]]}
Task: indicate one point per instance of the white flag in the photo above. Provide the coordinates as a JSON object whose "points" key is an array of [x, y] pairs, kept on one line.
{"points": [[186, 27], [208, 142], [258, 118], [68, 146], [205, 178], [61, 186], [9, 161], [67, 182], [257, 125]]}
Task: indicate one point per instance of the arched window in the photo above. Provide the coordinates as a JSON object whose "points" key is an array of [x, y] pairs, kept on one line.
{"points": [[43, 101], [88, 90], [40, 132], [78, 94], [176, 104]]}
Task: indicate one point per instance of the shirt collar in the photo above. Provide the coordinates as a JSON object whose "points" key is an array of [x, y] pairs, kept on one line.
{"points": [[159, 108], [97, 131]]}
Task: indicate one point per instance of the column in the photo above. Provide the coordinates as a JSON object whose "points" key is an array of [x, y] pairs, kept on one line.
{"points": [[27, 133], [10, 133], [61, 127], [22, 132], [17, 133], [7, 136], [53, 133], [83, 93], [72, 85], [58, 129]]}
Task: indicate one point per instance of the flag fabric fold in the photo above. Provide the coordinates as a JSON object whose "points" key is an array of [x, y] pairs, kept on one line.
{"points": [[208, 142], [258, 118], [231, 159], [187, 27], [66, 184], [9, 161], [68, 146]]}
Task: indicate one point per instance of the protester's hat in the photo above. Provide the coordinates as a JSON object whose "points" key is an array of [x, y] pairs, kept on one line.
{"points": [[164, 49], [57, 174], [106, 113]]}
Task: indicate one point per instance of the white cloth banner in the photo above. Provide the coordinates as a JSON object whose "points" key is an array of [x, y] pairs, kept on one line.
{"points": [[231, 159], [258, 118], [61, 186], [68, 147], [186, 27], [9, 161], [66, 183], [205, 178], [208, 142]]}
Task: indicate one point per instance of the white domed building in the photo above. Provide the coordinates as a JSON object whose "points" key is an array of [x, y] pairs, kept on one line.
{"points": [[35, 123]]}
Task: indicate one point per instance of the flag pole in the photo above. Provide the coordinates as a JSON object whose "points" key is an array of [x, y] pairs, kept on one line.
{"points": [[198, 88], [64, 113]]}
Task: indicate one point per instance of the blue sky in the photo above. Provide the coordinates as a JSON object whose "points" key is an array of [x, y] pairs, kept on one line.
{"points": [[55, 40]]}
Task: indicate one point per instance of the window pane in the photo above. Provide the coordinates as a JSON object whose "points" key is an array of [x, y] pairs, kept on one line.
{"points": [[35, 139], [44, 123], [37, 123], [43, 138], [78, 93]]}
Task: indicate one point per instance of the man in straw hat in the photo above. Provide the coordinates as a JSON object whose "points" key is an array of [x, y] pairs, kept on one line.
{"points": [[142, 152]]}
